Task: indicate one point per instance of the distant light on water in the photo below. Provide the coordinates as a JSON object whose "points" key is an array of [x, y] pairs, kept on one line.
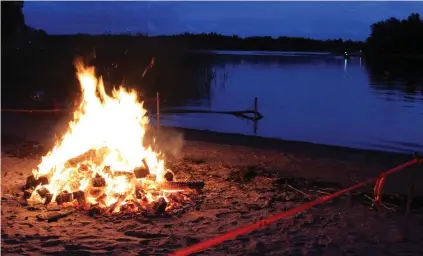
{"points": [[345, 64]]}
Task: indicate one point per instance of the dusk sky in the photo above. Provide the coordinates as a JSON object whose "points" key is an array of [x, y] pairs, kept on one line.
{"points": [[321, 20]]}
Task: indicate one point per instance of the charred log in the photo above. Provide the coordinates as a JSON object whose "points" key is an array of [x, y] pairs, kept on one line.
{"points": [[142, 171], [182, 185], [98, 182], [96, 192], [32, 182], [116, 205], [80, 197], [59, 216], [159, 206], [168, 176], [27, 193], [43, 192], [64, 197], [94, 210], [128, 175], [92, 155], [139, 194], [49, 198]]}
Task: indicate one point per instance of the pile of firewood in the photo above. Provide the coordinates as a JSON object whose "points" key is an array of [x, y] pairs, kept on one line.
{"points": [[145, 183]]}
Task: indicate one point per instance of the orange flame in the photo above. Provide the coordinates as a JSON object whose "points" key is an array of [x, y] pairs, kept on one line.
{"points": [[114, 127]]}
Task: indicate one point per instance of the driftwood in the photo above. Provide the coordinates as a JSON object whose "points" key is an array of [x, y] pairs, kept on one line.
{"points": [[182, 185], [299, 191], [50, 217]]}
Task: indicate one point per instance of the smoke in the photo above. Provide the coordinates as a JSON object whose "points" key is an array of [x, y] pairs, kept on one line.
{"points": [[167, 141]]}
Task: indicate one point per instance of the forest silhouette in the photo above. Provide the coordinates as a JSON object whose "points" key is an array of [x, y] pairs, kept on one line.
{"points": [[33, 59], [388, 37]]}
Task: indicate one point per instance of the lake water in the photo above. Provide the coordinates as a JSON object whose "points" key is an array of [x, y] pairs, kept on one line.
{"points": [[310, 97], [313, 97]]}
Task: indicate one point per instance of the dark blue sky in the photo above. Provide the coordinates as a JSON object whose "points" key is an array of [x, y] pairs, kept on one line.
{"points": [[320, 20]]}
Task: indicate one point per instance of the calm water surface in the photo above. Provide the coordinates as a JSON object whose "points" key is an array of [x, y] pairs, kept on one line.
{"points": [[315, 98]]}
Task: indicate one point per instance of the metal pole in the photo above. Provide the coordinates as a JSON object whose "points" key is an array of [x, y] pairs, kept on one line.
{"points": [[158, 110]]}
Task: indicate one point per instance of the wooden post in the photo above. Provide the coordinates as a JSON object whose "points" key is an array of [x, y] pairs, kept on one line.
{"points": [[255, 108], [255, 115], [158, 110]]}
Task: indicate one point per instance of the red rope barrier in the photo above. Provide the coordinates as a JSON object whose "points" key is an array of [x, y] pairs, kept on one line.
{"points": [[268, 221]]}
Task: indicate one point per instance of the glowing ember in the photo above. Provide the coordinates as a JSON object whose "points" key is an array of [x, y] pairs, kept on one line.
{"points": [[101, 161]]}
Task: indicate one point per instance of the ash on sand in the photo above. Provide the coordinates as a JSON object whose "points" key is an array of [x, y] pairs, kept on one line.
{"points": [[243, 185]]}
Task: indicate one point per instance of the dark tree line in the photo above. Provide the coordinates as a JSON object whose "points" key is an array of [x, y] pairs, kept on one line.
{"points": [[214, 41], [13, 22], [12, 19], [396, 37], [388, 37]]}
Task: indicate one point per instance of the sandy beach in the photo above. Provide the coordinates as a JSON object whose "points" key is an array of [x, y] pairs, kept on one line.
{"points": [[247, 178]]}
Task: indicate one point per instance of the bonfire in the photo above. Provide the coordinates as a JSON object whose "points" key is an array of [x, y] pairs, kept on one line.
{"points": [[101, 162]]}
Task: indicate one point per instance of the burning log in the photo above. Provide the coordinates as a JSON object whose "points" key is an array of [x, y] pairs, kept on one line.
{"points": [[98, 181], [27, 193], [159, 206], [128, 175], [93, 155], [84, 168], [142, 171], [80, 197], [32, 182], [43, 192], [49, 198], [107, 170], [64, 197], [182, 185], [94, 210], [102, 200], [96, 192], [116, 205], [139, 194]]}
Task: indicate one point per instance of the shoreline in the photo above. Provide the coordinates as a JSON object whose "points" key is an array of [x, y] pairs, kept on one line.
{"points": [[58, 123], [287, 146]]}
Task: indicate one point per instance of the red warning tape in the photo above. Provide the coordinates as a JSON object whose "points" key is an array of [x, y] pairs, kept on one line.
{"points": [[271, 219]]}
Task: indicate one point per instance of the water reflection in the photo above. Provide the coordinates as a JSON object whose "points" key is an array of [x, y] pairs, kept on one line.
{"points": [[316, 98]]}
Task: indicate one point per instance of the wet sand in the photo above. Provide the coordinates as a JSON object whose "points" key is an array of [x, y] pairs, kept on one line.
{"points": [[246, 180]]}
